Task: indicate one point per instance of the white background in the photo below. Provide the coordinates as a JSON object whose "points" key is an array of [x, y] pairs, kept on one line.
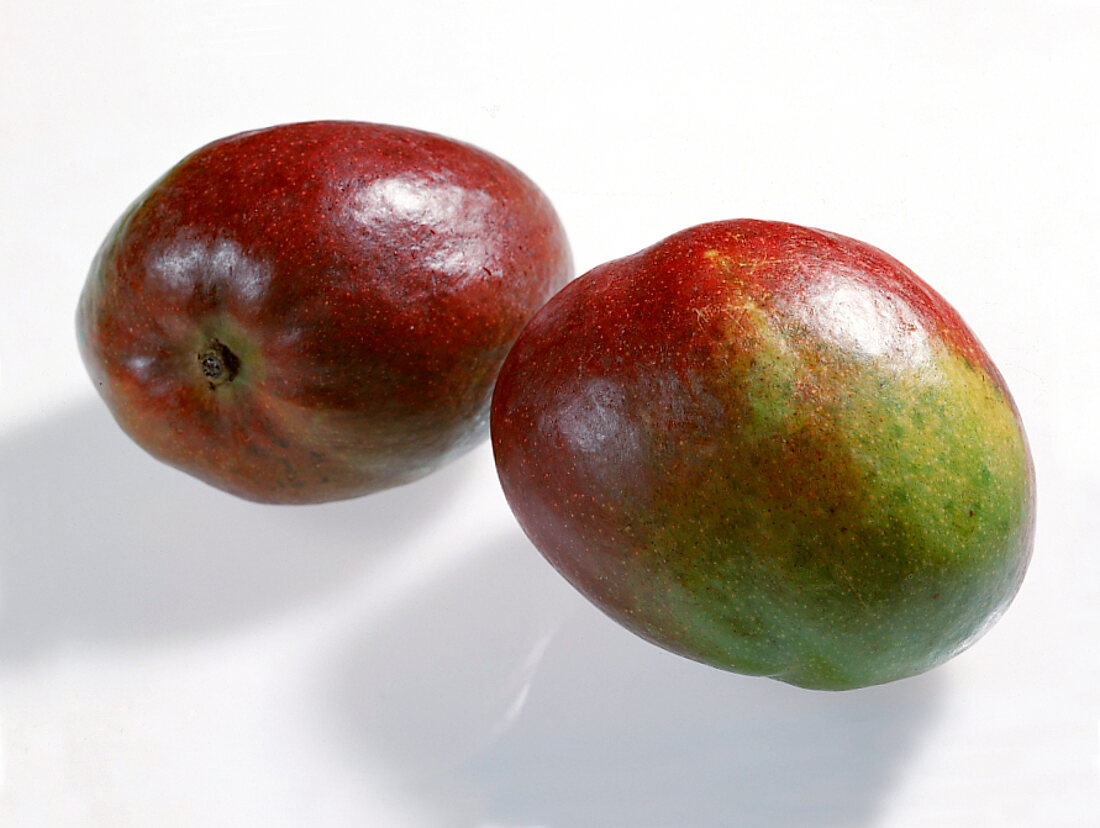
{"points": [[170, 656]]}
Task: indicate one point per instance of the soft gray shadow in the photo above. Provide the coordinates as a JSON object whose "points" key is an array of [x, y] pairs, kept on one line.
{"points": [[99, 541], [503, 699]]}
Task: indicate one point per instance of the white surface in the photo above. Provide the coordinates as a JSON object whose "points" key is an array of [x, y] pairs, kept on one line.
{"points": [[170, 656]]}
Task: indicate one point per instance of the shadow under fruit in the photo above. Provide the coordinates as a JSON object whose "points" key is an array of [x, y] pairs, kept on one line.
{"points": [[316, 311], [771, 449]]}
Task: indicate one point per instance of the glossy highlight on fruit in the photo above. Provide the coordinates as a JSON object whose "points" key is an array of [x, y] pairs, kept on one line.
{"points": [[771, 449], [317, 311]]}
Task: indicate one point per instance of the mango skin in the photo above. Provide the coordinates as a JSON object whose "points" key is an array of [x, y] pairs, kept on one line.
{"points": [[317, 311], [771, 449]]}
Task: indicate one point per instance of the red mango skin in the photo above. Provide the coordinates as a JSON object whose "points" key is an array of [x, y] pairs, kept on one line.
{"points": [[317, 311], [772, 449]]}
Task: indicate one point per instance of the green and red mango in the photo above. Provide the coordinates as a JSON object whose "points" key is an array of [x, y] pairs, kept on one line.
{"points": [[771, 449]]}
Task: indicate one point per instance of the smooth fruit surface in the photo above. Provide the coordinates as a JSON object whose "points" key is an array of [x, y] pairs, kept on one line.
{"points": [[316, 311], [771, 449]]}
